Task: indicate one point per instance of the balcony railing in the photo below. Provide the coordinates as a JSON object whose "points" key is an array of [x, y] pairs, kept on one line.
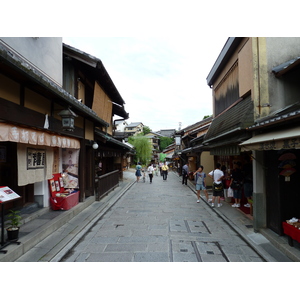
{"points": [[106, 183]]}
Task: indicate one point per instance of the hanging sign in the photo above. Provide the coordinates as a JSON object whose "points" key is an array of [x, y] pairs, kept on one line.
{"points": [[36, 158]]}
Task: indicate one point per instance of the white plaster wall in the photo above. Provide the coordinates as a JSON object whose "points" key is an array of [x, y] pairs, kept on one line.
{"points": [[280, 50], [44, 52]]}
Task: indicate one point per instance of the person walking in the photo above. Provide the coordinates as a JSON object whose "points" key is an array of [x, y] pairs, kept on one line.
{"points": [[156, 168], [185, 173], [236, 184], [138, 173], [165, 169], [160, 168], [200, 183], [150, 171], [217, 176]]}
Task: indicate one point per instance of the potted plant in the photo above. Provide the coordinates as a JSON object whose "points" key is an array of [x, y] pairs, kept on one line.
{"points": [[14, 219]]}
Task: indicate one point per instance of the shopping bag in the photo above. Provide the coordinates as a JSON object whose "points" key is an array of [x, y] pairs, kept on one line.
{"points": [[230, 192]]}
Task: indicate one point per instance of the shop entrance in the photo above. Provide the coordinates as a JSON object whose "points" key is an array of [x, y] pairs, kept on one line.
{"points": [[282, 191]]}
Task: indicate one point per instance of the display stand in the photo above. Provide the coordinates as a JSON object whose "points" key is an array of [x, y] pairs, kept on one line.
{"points": [[292, 233], [60, 198], [6, 195]]}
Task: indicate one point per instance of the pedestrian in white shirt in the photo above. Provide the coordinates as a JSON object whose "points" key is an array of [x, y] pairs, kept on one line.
{"points": [[217, 176], [150, 171]]}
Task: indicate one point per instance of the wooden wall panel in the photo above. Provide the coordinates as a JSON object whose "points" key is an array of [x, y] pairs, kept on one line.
{"points": [[9, 89], [102, 104], [37, 102]]}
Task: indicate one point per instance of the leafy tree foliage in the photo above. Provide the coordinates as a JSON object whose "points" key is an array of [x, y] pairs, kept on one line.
{"points": [[165, 142], [146, 130], [142, 147]]}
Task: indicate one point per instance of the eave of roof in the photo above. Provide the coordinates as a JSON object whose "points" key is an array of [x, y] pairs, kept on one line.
{"points": [[238, 117], [227, 51], [286, 67], [110, 139], [288, 113], [197, 139], [28, 70], [195, 126], [134, 124], [120, 111], [96, 63]]}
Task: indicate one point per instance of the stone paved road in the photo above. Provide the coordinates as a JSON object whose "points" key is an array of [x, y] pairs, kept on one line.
{"points": [[161, 222]]}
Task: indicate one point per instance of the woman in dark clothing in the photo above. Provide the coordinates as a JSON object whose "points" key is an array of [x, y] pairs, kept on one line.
{"points": [[236, 184]]}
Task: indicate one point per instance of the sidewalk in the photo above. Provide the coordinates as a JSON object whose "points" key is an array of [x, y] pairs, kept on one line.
{"points": [[61, 230]]}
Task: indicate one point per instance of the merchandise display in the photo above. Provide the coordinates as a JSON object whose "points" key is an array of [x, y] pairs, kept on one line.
{"points": [[62, 198], [292, 229]]}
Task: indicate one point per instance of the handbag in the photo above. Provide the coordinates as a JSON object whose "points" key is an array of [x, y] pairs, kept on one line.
{"points": [[217, 187]]}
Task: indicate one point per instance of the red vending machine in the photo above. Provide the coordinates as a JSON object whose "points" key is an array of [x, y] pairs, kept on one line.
{"points": [[61, 198]]}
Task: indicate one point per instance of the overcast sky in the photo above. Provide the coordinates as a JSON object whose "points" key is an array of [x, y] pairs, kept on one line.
{"points": [[162, 80], [158, 53]]}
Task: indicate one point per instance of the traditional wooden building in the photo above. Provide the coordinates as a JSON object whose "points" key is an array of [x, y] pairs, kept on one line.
{"points": [[47, 125], [86, 78], [255, 89], [191, 150]]}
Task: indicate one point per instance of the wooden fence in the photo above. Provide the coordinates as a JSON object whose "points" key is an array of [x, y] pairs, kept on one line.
{"points": [[106, 183]]}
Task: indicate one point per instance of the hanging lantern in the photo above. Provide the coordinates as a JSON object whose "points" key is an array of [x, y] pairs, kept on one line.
{"points": [[67, 119]]}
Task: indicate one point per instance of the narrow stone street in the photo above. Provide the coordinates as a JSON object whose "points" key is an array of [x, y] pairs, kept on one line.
{"points": [[161, 222]]}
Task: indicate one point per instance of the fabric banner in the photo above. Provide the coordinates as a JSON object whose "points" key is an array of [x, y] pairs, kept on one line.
{"points": [[11, 133], [70, 161], [34, 164]]}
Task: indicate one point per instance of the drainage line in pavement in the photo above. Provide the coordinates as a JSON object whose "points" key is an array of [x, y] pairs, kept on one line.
{"points": [[206, 227], [187, 226], [171, 251], [196, 251], [221, 250]]}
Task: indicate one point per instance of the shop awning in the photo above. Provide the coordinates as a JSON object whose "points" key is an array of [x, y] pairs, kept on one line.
{"points": [[17, 134], [276, 140], [232, 121]]}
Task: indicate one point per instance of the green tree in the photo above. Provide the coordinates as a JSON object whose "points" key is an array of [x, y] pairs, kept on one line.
{"points": [[146, 130], [165, 142], [142, 147]]}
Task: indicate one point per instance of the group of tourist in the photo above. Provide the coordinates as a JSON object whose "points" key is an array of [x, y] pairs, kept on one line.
{"points": [[151, 169], [236, 181]]}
